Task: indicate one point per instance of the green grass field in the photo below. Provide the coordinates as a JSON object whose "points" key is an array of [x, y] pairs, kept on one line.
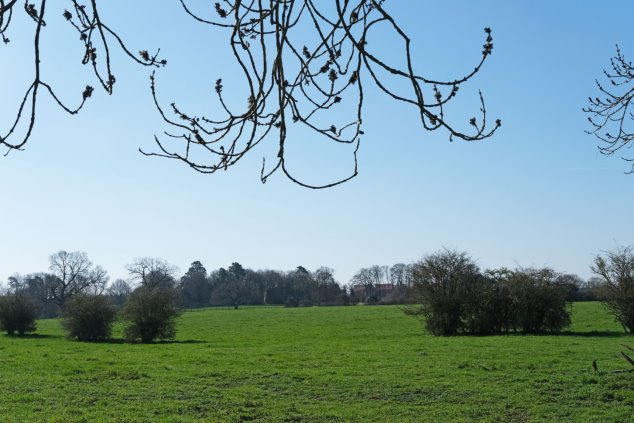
{"points": [[319, 364]]}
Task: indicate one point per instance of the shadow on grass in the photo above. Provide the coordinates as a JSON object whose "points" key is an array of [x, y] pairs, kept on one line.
{"points": [[586, 334], [569, 333], [184, 341], [103, 341], [33, 336], [125, 341], [597, 334]]}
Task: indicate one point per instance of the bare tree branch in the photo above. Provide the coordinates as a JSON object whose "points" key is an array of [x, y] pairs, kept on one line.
{"points": [[291, 83], [611, 114], [304, 64], [92, 33]]}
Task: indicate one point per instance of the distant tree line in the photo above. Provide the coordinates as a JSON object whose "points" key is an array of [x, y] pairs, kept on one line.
{"points": [[149, 301], [235, 286], [72, 274], [447, 289]]}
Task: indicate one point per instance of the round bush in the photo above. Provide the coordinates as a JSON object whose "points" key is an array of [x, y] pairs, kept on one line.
{"points": [[89, 318], [17, 314], [150, 314]]}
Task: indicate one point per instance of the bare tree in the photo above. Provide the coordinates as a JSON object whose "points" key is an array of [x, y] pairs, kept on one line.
{"points": [[304, 63], [616, 270], [152, 273], [324, 276], [611, 114], [119, 291], [401, 274], [362, 277], [327, 289], [119, 288], [362, 284], [378, 274], [72, 273], [15, 284]]}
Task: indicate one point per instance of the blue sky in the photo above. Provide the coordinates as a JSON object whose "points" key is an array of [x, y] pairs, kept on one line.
{"points": [[536, 194]]}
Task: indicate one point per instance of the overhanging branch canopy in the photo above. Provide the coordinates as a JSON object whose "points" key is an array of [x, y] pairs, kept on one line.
{"points": [[304, 63]]}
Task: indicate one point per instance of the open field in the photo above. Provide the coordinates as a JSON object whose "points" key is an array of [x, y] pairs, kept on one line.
{"points": [[319, 364]]}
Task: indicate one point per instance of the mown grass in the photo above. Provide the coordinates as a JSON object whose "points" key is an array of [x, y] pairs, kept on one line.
{"points": [[319, 364]]}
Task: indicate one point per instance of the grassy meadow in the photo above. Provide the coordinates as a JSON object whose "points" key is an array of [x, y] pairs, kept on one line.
{"points": [[319, 364]]}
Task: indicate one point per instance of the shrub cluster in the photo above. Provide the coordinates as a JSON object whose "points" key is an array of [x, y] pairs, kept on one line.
{"points": [[150, 314], [89, 318], [455, 297], [17, 314]]}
